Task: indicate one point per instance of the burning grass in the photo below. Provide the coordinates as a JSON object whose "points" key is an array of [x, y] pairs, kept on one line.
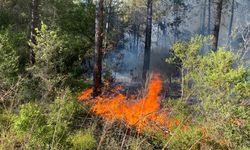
{"points": [[145, 113]]}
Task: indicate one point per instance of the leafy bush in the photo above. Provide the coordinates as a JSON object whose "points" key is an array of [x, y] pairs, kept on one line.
{"points": [[188, 139], [83, 140], [47, 71], [59, 120], [30, 118], [56, 62], [47, 50], [8, 58], [31, 121], [217, 86], [50, 129]]}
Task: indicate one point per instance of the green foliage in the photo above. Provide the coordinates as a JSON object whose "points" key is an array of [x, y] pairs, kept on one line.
{"points": [[31, 121], [84, 140], [30, 118], [76, 18], [50, 129], [183, 140], [48, 69], [220, 86], [237, 127], [218, 72], [58, 52], [185, 53], [76, 26], [5, 19], [47, 50], [138, 143], [60, 118], [8, 57], [5, 119]]}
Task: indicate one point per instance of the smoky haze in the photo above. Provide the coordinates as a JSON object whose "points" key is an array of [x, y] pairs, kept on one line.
{"points": [[127, 62]]}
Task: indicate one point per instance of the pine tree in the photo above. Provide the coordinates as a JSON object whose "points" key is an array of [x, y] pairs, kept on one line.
{"points": [[217, 21], [97, 75], [148, 39]]}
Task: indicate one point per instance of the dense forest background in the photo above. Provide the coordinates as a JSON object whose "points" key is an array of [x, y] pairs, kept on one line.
{"points": [[125, 74]]}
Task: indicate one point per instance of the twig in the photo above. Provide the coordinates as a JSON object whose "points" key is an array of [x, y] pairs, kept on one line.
{"points": [[124, 138], [105, 129]]}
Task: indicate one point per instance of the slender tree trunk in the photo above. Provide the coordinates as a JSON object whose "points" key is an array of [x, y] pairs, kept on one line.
{"points": [[33, 25], [97, 75], [204, 18], [176, 23], [217, 21], [209, 17], [182, 82], [230, 25], [158, 34], [231, 19], [201, 16], [138, 37], [203, 26], [164, 34], [148, 39], [134, 36], [107, 26]]}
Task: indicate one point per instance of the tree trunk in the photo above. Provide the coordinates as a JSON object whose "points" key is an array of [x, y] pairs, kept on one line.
{"points": [[134, 36], [176, 21], [209, 17], [33, 25], [148, 39], [217, 21], [231, 20], [158, 34], [182, 82], [138, 38], [97, 75], [203, 28], [108, 22]]}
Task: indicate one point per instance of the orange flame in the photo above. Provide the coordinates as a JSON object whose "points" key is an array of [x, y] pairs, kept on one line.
{"points": [[86, 94], [143, 114]]}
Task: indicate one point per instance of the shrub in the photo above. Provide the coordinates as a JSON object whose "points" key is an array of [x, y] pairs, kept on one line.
{"points": [[8, 58], [31, 121], [84, 140], [60, 117], [47, 70], [217, 86], [50, 128], [30, 118]]}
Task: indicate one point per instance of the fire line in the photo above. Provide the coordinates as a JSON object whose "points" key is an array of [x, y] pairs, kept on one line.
{"points": [[146, 113]]}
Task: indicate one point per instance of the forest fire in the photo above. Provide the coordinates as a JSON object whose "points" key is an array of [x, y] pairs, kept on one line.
{"points": [[146, 113]]}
